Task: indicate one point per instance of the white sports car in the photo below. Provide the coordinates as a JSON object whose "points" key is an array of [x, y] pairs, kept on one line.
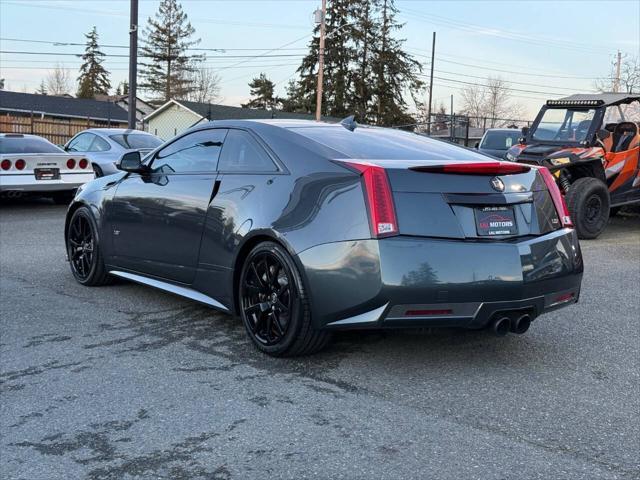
{"points": [[29, 163]]}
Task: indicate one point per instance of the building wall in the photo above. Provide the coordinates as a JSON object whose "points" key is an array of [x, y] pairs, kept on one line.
{"points": [[172, 121]]}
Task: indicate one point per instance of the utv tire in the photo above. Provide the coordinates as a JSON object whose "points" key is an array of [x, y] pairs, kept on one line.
{"points": [[588, 202], [83, 250], [274, 305]]}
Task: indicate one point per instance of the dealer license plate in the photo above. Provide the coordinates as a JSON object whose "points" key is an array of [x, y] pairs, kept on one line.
{"points": [[492, 221]]}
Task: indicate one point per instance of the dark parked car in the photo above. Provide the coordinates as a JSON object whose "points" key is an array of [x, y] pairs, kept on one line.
{"points": [[496, 141], [302, 228]]}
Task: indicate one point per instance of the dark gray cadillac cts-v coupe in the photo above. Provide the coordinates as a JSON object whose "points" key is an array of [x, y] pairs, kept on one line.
{"points": [[301, 228]]}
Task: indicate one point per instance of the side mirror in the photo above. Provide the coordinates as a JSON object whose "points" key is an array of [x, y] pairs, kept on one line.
{"points": [[132, 162], [603, 134], [525, 132], [477, 145]]}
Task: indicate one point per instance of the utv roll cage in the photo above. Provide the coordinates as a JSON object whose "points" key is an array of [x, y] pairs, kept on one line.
{"points": [[599, 101]]}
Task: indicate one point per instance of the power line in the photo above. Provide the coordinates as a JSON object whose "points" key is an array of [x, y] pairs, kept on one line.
{"points": [[502, 34], [195, 49], [149, 56], [508, 71], [504, 87]]}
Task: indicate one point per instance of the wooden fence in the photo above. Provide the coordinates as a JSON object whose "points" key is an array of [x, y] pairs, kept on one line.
{"points": [[56, 130]]}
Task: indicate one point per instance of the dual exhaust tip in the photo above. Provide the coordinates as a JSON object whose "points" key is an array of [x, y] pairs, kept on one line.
{"points": [[12, 194], [517, 323]]}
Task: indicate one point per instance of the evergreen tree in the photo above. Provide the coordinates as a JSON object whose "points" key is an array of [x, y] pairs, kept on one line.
{"points": [[338, 54], [167, 38], [367, 32], [94, 78], [262, 94], [395, 71], [42, 89], [366, 71], [125, 88]]}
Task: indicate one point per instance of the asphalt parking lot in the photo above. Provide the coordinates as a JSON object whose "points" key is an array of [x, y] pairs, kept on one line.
{"points": [[126, 382]]}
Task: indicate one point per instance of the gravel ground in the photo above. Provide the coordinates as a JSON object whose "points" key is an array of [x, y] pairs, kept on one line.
{"points": [[126, 382]]}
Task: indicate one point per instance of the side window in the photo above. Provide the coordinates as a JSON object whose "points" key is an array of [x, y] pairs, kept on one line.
{"points": [[100, 145], [195, 152], [81, 143], [242, 153]]}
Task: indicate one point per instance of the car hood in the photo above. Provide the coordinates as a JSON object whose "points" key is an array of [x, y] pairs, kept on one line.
{"points": [[541, 151]]}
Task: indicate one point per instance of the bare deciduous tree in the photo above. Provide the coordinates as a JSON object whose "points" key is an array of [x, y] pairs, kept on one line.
{"points": [[205, 85], [491, 101], [629, 76], [59, 81]]}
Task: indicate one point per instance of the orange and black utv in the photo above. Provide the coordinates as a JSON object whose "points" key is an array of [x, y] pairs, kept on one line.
{"points": [[591, 143]]}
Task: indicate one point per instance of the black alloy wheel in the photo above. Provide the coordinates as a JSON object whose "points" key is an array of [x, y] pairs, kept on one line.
{"points": [[81, 246], [274, 306], [267, 300], [83, 249]]}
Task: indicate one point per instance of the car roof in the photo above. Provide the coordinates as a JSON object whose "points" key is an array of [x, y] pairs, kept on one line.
{"points": [[115, 131], [20, 135], [282, 123]]}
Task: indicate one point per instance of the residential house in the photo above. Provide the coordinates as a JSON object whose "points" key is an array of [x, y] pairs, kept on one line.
{"points": [[176, 116], [56, 118]]}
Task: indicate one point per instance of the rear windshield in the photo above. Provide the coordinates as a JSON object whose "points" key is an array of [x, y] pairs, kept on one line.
{"points": [[386, 144], [136, 140], [500, 140], [27, 145]]}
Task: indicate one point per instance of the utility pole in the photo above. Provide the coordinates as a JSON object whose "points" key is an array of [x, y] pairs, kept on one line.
{"points": [[452, 129], [433, 57], [321, 62], [133, 63], [616, 81]]}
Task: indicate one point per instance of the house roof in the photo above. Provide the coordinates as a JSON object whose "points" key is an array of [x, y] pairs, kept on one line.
{"points": [[61, 106], [212, 111]]}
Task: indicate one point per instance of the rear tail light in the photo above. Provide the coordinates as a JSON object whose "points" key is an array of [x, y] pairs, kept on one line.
{"points": [[20, 164], [71, 164], [5, 164], [83, 163], [382, 213], [556, 196], [475, 168]]}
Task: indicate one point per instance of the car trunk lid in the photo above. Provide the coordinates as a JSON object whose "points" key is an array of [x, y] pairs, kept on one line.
{"points": [[469, 200]]}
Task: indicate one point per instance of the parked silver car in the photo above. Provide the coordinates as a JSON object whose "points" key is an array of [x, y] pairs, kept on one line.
{"points": [[105, 146]]}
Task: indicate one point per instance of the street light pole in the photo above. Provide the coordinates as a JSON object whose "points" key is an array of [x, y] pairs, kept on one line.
{"points": [[133, 63], [321, 62]]}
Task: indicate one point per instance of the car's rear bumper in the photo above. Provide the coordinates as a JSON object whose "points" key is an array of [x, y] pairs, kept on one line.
{"points": [[410, 281], [28, 183]]}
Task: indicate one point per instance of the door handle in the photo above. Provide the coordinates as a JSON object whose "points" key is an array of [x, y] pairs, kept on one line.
{"points": [[214, 192]]}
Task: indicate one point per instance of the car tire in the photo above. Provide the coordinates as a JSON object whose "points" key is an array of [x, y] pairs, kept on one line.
{"points": [[588, 202], [97, 171], [83, 249], [274, 305]]}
